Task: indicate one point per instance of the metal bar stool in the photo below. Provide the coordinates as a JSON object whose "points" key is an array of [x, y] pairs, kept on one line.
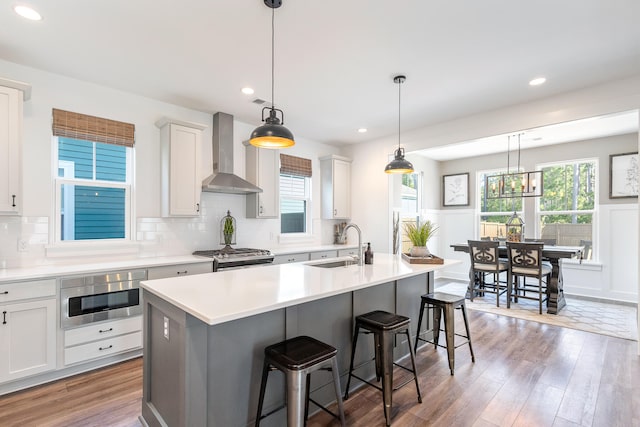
{"points": [[441, 303], [384, 326], [297, 358]]}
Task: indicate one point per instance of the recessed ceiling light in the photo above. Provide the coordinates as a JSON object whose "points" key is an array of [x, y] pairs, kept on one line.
{"points": [[27, 12], [537, 81], [362, 130], [247, 91]]}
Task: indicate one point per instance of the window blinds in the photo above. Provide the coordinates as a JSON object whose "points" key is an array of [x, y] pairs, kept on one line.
{"points": [[90, 128], [295, 166]]}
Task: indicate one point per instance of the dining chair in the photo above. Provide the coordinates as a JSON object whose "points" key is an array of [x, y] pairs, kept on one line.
{"points": [[486, 263], [525, 260]]}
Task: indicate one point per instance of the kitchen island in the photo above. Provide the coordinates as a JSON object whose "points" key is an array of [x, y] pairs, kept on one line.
{"points": [[204, 335]]}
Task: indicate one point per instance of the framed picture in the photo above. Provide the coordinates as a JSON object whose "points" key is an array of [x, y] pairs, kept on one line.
{"points": [[623, 175], [455, 190]]}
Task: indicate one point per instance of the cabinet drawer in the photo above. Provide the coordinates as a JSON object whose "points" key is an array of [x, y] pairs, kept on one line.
{"points": [[322, 255], [348, 252], [101, 331], [284, 259], [102, 348], [179, 270], [26, 290]]}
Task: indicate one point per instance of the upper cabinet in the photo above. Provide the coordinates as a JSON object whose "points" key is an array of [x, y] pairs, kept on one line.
{"points": [[336, 187], [12, 96], [263, 170], [180, 144]]}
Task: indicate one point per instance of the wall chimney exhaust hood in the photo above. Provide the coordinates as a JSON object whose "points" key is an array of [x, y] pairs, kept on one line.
{"points": [[223, 179]]}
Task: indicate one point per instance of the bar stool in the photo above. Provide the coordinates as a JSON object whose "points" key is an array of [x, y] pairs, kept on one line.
{"points": [[441, 303], [297, 358], [384, 326]]}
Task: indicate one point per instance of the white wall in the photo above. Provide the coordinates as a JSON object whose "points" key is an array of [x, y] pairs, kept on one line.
{"points": [[371, 157], [154, 235]]}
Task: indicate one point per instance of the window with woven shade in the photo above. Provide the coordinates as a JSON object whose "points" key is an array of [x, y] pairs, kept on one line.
{"points": [[295, 194], [93, 176]]}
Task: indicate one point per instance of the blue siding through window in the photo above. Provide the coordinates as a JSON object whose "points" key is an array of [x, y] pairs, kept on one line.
{"points": [[99, 212]]}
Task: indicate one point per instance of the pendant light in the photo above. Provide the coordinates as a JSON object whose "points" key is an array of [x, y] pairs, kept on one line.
{"points": [[273, 134], [516, 184], [399, 164]]}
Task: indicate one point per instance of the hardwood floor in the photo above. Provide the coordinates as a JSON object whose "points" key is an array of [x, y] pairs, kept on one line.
{"points": [[526, 374]]}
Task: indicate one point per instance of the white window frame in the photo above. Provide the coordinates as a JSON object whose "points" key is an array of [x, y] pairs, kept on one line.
{"points": [[594, 212], [309, 207], [68, 179], [479, 214]]}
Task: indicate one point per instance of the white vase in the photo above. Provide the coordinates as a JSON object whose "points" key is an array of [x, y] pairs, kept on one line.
{"points": [[419, 251]]}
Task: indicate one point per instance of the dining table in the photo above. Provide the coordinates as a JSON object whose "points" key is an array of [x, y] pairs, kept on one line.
{"points": [[554, 254]]}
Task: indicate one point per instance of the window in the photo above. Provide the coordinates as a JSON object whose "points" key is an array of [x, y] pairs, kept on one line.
{"points": [[411, 205], [494, 213], [295, 194], [567, 208], [93, 180]]}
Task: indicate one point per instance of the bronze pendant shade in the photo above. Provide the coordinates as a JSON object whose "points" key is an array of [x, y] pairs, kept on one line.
{"points": [[272, 134], [399, 164]]}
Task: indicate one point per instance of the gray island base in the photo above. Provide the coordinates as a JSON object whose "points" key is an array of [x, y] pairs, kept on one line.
{"points": [[202, 374]]}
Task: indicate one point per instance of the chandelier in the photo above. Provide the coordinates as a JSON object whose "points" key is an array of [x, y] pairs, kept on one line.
{"points": [[514, 184]]}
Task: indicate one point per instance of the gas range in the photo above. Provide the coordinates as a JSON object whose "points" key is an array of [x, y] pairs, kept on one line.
{"points": [[228, 257]]}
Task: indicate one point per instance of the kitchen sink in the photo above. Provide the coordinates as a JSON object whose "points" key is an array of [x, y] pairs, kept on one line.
{"points": [[334, 264]]}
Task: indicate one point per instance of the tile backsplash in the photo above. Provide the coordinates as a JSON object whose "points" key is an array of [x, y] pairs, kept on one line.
{"points": [[26, 240]]}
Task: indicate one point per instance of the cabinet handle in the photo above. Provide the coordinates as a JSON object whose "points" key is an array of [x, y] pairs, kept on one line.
{"points": [[5, 293], [198, 207], [105, 348], [335, 212], [102, 331], [182, 272], [4, 317], [13, 205]]}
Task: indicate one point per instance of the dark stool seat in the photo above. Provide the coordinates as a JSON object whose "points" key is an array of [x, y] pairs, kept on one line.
{"points": [[297, 358], [384, 326], [443, 303]]}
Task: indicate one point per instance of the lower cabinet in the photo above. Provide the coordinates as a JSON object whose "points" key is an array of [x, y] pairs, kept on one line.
{"points": [[27, 338], [322, 255], [284, 259], [102, 339], [179, 270]]}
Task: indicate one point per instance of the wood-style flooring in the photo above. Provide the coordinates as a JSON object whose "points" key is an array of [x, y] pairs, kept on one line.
{"points": [[526, 374]]}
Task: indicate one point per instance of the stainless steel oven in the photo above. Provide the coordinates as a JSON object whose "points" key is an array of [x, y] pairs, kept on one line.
{"points": [[87, 299]]}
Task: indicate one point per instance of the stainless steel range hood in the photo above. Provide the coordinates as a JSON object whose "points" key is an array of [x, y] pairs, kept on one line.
{"points": [[223, 179]]}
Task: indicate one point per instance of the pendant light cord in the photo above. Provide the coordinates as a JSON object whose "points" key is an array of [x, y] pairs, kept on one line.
{"points": [[399, 106], [273, 30]]}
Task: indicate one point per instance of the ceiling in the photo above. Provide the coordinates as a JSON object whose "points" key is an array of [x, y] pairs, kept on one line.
{"points": [[334, 59], [576, 130]]}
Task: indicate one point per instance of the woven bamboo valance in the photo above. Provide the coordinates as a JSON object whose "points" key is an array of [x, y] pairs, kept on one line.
{"points": [[296, 166], [90, 128]]}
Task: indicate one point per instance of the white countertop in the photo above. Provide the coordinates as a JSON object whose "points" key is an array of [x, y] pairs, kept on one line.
{"points": [[91, 266], [58, 270], [292, 249], [234, 294]]}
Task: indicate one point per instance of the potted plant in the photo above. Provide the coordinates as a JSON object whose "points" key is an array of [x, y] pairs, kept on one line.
{"points": [[419, 234]]}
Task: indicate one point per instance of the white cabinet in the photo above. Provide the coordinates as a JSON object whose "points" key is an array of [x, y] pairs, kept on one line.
{"points": [[102, 339], [284, 259], [179, 270], [348, 252], [180, 147], [27, 329], [11, 102], [263, 170], [322, 255], [336, 187]]}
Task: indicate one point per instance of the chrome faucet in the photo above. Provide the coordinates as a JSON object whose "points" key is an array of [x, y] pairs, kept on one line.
{"points": [[360, 252]]}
